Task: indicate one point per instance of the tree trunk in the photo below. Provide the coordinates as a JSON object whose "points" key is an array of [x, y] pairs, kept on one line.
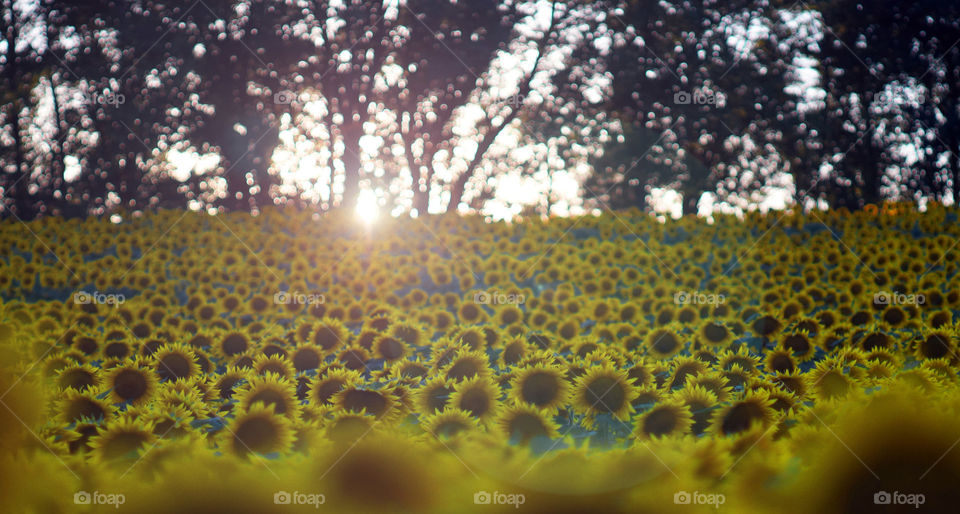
{"points": [[956, 175], [421, 199], [870, 172], [421, 192], [456, 192], [690, 201], [351, 169], [20, 192], [57, 158]]}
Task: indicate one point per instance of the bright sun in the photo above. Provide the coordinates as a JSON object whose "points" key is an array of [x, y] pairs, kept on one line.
{"points": [[367, 207]]}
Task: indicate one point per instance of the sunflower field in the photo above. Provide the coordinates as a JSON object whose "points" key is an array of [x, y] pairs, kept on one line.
{"points": [[294, 362]]}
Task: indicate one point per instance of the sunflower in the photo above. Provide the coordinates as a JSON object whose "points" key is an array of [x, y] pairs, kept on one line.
{"points": [[755, 408], [640, 374], [56, 362], [175, 361], [893, 316], [390, 347], [739, 357], [936, 344], [542, 386], [355, 358], [585, 346], [683, 368], [875, 340], [808, 324], [276, 365], [449, 423], [244, 360], [766, 326], [924, 380], [202, 339], [522, 423], [333, 381], [793, 383], [470, 312], [877, 371], [132, 383], [666, 418], [86, 344], [198, 388], [467, 364], [203, 361], [227, 383], [664, 342], [362, 400], [879, 438], [306, 356], [943, 368], [492, 335], [78, 437], [116, 350], [233, 343], [434, 395], [408, 334], [509, 315], [514, 352], [78, 376], [604, 389], [784, 402], [737, 377], [569, 329], [329, 334], [258, 430], [828, 380], [799, 345], [121, 439], [409, 369], [479, 396], [780, 361], [366, 337], [940, 319], [647, 397], [442, 320], [274, 347], [76, 406], [706, 356], [470, 336], [713, 333], [538, 319], [346, 428], [271, 390], [701, 403]]}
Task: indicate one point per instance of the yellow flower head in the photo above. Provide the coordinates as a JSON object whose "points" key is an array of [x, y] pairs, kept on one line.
{"points": [[542, 386], [604, 389]]}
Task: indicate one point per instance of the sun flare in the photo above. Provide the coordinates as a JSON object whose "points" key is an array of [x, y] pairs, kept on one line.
{"points": [[368, 209]]}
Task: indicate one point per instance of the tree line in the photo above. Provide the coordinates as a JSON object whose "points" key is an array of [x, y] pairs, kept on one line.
{"points": [[432, 103]]}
